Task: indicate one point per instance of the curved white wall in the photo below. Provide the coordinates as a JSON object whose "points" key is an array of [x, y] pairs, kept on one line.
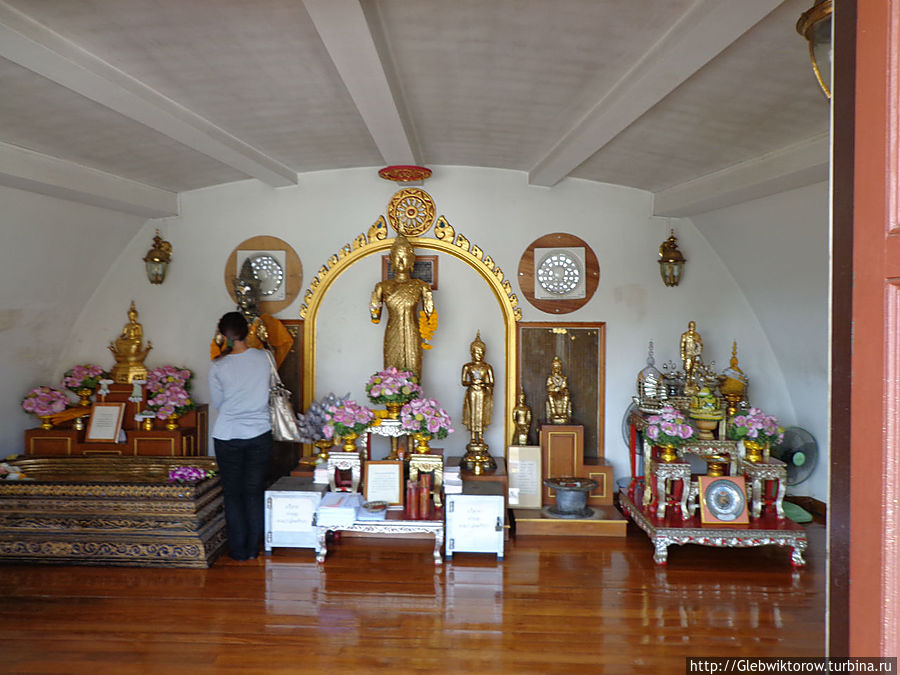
{"points": [[494, 209]]}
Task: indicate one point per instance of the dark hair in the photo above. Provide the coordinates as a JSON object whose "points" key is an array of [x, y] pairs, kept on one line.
{"points": [[232, 326]]}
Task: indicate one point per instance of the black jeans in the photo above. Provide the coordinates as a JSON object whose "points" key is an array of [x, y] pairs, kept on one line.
{"points": [[242, 470]]}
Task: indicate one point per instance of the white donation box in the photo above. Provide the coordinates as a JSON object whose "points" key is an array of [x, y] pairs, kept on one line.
{"points": [[475, 519], [291, 504]]}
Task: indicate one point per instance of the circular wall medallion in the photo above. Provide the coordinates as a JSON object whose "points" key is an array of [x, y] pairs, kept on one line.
{"points": [[411, 211], [558, 273], [268, 272], [275, 265], [724, 500]]}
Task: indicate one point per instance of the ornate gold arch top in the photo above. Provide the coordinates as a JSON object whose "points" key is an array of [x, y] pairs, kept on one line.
{"points": [[445, 240]]}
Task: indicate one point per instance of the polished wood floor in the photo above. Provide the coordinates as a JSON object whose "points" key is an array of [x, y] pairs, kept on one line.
{"points": [[554, 605]]}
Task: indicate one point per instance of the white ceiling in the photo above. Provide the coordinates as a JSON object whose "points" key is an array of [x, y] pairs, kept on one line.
{"points": [[125, 103]]}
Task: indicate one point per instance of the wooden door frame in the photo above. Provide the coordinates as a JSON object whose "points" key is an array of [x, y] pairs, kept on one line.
{"points": [[864, 574]]}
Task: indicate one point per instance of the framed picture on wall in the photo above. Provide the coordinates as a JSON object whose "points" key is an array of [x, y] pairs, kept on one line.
{"points": [[425, 268]]}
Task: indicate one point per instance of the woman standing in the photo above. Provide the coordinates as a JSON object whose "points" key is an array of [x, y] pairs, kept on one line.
{"points": [[242, 435]]}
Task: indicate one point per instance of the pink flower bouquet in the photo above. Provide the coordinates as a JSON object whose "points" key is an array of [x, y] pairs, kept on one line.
{"points": [[189, 474], [425, 416], [169, 387], [669, 427], [84, 377], [346, 418], [392, 386], [755, 426], [45, 401]]}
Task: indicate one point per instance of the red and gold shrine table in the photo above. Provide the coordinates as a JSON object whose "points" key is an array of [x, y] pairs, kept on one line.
{"points": [[673, 529]]}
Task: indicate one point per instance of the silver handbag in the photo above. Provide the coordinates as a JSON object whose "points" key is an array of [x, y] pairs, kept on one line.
{"points": [[281, 413]]}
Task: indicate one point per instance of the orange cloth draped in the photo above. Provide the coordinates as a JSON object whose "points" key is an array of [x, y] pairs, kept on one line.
{"points": [[279, 339]]}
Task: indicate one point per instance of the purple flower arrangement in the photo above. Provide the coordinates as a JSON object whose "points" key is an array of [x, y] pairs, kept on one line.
{"points": [[169, 388], [45, 401], [346, 418], [189, 474], [669, 427], [425, 416], [84, 377], [755, 425], [392, 386]]}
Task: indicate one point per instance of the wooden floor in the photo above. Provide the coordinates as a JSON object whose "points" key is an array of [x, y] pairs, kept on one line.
{"points": [[555, 604]]}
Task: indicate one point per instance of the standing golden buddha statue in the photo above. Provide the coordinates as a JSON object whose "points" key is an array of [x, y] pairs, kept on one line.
{"points": [[129, 352], [559, 404], [691, 348], [402, 295], [478, 406], [521, 418]]}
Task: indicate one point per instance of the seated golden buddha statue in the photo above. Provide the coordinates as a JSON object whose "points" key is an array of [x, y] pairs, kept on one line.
{"points": [[559, 405], [129, 352]]}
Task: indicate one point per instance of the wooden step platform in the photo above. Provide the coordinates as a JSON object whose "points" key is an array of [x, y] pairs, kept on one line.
{"points": [[606, 522]]}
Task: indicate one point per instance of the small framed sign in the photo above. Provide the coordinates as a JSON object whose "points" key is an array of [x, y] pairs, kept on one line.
{"points": [[384, 482], [723, 500], [105, 423], [523, 467], [425, 267]]}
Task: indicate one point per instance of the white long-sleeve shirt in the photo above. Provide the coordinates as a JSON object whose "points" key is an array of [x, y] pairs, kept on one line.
{"points": [[239, 390]]}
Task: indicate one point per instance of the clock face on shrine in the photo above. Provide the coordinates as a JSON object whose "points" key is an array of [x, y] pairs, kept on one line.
{"points": [[559, 273], [724, 500]]}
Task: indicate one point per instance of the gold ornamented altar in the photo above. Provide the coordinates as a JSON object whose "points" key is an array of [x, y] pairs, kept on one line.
{"points": [[97, 511]]}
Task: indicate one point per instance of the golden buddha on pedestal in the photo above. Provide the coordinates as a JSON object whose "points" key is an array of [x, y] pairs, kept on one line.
{"points": [[559, 404], [129, 352]]}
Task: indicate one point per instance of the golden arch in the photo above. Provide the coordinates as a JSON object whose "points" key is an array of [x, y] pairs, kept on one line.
{"points": [[471, 256]]}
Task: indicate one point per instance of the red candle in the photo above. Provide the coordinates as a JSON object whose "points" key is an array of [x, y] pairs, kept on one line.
{"points": [[424, 501], [412, 502]]}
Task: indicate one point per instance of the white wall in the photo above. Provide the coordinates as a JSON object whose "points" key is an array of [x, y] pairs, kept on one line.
{"points": [[494, 209], [777, 249], [55, 254]]}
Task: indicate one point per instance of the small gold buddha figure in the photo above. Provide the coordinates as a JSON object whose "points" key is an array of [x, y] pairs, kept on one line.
{"points": [[129, 352], [402, 296], [521, 418], [691, 349], [559, 404]]}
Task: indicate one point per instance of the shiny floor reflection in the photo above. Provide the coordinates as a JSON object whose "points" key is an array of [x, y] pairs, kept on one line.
{"points": [[554, 604]]}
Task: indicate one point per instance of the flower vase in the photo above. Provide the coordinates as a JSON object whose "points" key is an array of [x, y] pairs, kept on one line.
{"points": [[148, 424], [349, 442], [667, 454], [172, 422], [422, 439], [323, 445], [84, 394], [393, 410], [754, 450], [46, 424]]}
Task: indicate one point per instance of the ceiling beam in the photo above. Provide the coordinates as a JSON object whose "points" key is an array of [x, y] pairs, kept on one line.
{"points": [[796, 166], [349, 40], [700, 35], [32, 171], [34, 46]]}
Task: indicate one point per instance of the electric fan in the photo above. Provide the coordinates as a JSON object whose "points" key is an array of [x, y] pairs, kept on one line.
{"points": [[799, 450]]}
